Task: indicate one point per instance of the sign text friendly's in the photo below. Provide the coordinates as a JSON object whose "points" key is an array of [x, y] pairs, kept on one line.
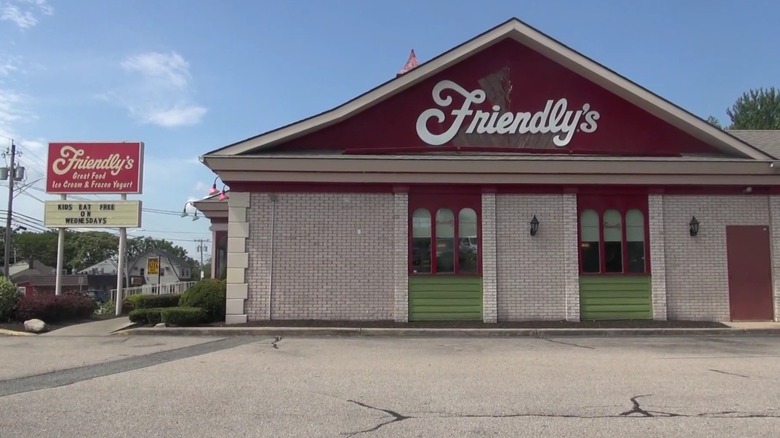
{"points": [[95, 168]]}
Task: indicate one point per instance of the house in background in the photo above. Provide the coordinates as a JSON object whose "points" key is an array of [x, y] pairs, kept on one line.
{"points": [[173, 269]]}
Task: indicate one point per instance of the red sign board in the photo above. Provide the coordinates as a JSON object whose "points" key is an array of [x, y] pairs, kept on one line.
{"points": [[95, 168]]}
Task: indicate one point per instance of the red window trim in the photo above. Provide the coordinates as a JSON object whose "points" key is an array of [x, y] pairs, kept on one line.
{"points": [[623, 204]]}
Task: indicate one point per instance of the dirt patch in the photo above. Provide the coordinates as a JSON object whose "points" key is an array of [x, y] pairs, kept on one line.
{"points": [[478, 324]]}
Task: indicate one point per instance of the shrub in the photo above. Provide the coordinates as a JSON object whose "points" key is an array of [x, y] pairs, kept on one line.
{"points": [[9, 297], [54, 308], [209, 295], [146, 316], [183, 316], [146, 301]]}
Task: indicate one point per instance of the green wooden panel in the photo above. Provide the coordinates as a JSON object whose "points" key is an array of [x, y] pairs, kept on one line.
{"points": [[445, 298], [604, 297]]}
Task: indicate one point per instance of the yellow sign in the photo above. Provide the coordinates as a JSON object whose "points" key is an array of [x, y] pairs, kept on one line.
{"points": [[92, 214], [153, 265]]}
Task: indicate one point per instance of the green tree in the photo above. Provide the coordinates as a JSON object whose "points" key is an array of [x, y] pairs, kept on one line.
{"points": [[90, 248], [37, 246], [756, 109]]}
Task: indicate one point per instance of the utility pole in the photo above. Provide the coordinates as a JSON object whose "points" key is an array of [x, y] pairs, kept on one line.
{"points": [[10, 173], [201, 249]]}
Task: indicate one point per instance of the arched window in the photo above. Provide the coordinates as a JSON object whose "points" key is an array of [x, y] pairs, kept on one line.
{"points": [[589, 241], [635, 241], [445, 241], [613, 241], [421, 241], [467, 241]]}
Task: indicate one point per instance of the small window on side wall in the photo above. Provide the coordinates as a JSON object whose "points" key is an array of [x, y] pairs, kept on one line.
{"points": [[635, 237], [613, 241], [589, 241], [421, 241]]}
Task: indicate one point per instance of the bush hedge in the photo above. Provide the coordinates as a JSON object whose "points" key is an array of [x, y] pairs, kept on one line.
{"points": [[181, 316], [146, 301], [9, 297], [54, 308], [209, 295]]}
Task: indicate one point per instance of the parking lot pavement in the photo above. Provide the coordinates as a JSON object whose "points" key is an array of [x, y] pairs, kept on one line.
{"points": [[382, 387]]}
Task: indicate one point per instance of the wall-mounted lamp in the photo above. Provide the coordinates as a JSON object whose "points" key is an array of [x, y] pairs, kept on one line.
{"points": [[223, 194], [694, 226], [534, 226], [185, 214], [214, 189]]}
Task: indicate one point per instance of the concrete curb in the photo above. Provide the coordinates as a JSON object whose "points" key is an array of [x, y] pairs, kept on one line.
{"points": [[441, 332], [4, 332]]}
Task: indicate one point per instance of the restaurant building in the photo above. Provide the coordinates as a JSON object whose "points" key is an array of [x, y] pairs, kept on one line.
{"points": [[508, 179]]}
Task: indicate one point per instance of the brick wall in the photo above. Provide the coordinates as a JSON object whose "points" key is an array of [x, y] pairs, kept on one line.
{"points": [[655, 221], [532, 271], [696, 267], [333, 256]]}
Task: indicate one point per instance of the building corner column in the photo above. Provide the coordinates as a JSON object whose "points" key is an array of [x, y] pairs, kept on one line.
{"points": [[489, 259], [655, 211], [571, 257], [401, 256], [237, 259], [774, 232]]}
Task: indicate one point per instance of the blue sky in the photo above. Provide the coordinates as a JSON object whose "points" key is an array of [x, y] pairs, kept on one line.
{"points": [[190, 76]]}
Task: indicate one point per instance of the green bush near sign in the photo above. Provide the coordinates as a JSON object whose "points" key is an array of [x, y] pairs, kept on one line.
{"points": [[9, 297], [179, 316], [146, 301], [208, 294]]}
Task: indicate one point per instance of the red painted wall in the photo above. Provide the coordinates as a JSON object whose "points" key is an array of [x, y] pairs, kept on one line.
{"points": [[522, 81]]}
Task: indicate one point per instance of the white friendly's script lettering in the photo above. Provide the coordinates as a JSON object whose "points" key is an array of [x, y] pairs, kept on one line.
{"points": [[555, 118], [71, 159]]}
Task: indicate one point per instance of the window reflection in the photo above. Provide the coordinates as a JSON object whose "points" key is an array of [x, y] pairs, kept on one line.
{"points": [[421, 241], [445, 241], [635, 237], [467, 241], [613, 241], [589, 246]]}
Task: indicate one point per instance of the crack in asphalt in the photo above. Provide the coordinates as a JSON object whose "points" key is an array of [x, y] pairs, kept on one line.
{"points": [[397, 418], [276, 342], [728, 373], [568, 343], [636, 409]]}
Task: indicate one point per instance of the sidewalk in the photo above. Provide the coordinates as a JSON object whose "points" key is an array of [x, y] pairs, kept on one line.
{"points": [[96, 328], [734, 329]]}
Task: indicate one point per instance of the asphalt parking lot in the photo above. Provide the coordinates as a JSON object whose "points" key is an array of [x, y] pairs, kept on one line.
{"points": [[388, 387]]}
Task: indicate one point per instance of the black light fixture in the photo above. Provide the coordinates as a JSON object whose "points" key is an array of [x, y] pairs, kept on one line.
{"points": [[534, 226], [694, 226]]}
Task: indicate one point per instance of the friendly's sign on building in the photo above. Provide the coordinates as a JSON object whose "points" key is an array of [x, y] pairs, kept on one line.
{"points": [[97, 168]]}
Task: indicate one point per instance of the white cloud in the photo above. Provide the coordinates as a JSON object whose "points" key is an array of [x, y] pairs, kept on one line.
{"points": [[24, 13], [178, 115], [159, 90], [167, 69]]}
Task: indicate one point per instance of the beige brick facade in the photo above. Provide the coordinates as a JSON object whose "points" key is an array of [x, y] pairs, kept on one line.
{"points": [[489, 248], [401, 256], [655, 221], [696, 267], [237, 259], [327, 256], [531, 270]]}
